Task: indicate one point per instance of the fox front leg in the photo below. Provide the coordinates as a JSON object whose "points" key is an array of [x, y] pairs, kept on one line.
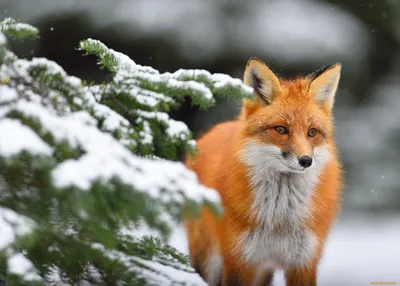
{"points": [[303, 276]]}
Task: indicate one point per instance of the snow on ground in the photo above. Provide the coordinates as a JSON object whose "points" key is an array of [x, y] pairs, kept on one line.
{"points": [[361, 249]]}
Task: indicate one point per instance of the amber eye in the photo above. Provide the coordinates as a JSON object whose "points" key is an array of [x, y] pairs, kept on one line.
{"points": [[281, 130], [312, 132]]}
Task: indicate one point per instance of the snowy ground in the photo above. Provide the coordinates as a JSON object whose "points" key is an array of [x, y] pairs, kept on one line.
{"points": [[361, 249]]}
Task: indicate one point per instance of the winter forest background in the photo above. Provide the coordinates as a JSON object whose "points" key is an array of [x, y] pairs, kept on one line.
{"points": [[292, 37]]}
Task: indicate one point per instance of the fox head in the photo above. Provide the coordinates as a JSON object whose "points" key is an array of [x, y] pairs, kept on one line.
{"points": [[288, 127]]}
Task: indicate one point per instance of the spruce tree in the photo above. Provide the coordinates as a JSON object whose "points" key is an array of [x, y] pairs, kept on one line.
{"points": [[90, 182]]}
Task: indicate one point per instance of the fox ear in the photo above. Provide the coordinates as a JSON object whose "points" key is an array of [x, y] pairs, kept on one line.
{"points": [[323, 85], [264, 82]]}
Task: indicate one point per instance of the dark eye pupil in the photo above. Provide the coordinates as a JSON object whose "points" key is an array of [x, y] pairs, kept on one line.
{"points": [[312, 132], [280, 129]]}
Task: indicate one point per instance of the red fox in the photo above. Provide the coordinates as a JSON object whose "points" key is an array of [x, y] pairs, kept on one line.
{"points": [[277, 171]]}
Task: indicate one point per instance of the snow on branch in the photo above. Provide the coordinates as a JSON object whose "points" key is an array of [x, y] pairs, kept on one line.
{"points": [[111, 59], [147, 96], [200, 85], [95, 156], [13, 28]]}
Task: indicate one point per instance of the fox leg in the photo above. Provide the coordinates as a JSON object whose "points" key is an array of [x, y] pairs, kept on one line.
{"points": [[266, 278], [303, 276], [238, 276], [231, 279]]}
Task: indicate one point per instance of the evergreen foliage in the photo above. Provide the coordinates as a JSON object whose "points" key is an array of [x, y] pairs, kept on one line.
{"points": [[90, 182]]}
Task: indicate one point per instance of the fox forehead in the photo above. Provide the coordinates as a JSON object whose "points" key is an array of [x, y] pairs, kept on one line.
{"points": [[296, 109], [295, 88], [298, 115], [295, 94]]}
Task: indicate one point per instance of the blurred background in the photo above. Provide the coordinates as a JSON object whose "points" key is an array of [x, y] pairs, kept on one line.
{"points": [[292, 37]]}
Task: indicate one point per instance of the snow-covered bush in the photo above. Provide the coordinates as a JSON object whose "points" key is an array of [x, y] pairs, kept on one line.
{"points": [[87, 172]]}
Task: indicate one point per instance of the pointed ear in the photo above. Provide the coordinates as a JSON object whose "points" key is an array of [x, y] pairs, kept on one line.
{"points": [[323, 85], [264, 82]]}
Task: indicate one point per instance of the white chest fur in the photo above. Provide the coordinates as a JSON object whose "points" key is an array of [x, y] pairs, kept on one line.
{"points": [[281, 204]]}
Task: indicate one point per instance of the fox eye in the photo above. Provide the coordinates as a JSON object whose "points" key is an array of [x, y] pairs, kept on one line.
{"points": [[281, 130], [312, 132]]}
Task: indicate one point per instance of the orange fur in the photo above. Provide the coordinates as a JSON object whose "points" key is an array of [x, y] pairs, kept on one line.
{"points": [[297, 104]]}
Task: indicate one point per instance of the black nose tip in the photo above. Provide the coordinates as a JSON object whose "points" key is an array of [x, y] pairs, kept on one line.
{"points": [[305, 161]]}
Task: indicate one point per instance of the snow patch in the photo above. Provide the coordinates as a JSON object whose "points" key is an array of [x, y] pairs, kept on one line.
{"points": [[7, 94], [3, 39], [20, 265], [16, 137], [175, 129], [12, 225]]}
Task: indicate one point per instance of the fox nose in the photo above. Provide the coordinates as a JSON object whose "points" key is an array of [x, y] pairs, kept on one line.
{"points": [[305, 161]]}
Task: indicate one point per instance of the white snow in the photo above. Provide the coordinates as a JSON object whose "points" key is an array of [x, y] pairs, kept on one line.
{"points": [[192, 143], [139, 230], [12, 225], [175, 129], [158, 97], [19, 264], [147, 97], [3, 39], [10, 23], [94, 274], [192, 85], [362, 248], [166, 79], [146, 100], [123, 61], [52, 67], [7, 93], [222, 81], [21, 69], [112, 120], [9, 56], [145, 134], [16, 137], [218, 80], [55, 275]]}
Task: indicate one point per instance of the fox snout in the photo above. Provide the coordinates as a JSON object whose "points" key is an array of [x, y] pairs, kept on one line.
{"points": [[305, 161], [295, 160]]}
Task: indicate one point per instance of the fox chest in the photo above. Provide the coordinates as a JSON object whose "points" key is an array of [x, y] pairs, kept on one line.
{"points": [[277, 248], [281, 206]]}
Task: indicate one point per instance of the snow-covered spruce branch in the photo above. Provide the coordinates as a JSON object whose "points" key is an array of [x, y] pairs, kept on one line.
{"points": [[18, 30], [147, 96], [200, 85], [86, 170]]}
